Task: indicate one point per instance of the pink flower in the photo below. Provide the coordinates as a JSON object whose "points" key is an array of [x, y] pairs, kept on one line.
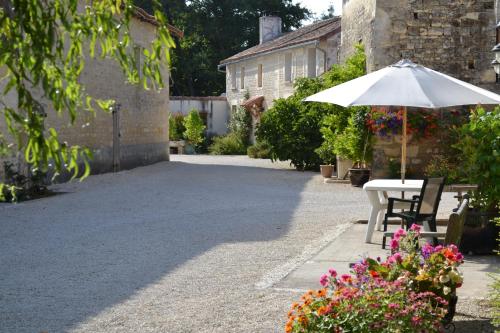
{"points": [[393, 305], [416, 320], [394, 244], [399, 233], [346, 277], [397, 256], [415, 227], [323, 280], [459, 257], [333, 273]]}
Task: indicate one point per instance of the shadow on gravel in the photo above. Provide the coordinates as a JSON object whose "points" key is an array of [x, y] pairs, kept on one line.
{"points": [[476, 326], [66, 258]]}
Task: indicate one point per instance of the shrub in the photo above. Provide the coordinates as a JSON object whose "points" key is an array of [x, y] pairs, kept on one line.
{"points": [[230, 144], [18, 187], [325, 152], [441, 166], [176, 127], [292, 127], [238, 138], [354, 141], [194, 128], [259, 150], [479, 144], [240, 124]]}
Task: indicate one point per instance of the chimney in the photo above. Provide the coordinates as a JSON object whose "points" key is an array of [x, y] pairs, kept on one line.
{"points": [[269, 28]]}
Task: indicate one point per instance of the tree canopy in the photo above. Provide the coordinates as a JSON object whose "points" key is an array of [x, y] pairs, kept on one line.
{"points": [[44, 46], [215, 30]]}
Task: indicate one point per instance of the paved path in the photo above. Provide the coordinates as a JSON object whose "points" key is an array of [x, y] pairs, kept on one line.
{"points": [[193, 245]]}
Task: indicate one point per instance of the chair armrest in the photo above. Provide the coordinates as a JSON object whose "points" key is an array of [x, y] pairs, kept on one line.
{"points": [[390, 203]]}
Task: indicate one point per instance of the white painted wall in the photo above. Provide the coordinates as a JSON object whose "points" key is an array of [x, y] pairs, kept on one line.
{"points": [[217, 110]]}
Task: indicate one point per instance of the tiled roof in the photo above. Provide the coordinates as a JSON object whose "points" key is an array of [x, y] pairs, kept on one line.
{"points": [[302, 35], [142, 15]]}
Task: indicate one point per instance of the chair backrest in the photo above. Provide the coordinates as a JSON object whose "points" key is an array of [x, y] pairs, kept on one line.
{"points": [[456, 223], [430, 196]]}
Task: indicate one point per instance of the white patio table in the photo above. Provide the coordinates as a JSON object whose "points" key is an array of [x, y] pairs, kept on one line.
{"points": [[377, 194]]}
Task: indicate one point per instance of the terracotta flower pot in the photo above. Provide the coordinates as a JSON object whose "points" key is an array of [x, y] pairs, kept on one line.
{"points": [[326, 170]]}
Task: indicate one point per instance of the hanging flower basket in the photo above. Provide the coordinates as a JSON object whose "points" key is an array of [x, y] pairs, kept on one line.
{"points": [[386, 122]]}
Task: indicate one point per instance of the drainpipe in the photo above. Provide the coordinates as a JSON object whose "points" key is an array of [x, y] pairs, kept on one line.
{"points": [[324, 56]]}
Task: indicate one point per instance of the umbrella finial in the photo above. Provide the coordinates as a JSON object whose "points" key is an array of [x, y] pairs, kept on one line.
{"points": [[405, 63]]}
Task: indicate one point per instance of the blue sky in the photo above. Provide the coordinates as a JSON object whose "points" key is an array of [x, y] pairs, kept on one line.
{"points": [[320, 6]]}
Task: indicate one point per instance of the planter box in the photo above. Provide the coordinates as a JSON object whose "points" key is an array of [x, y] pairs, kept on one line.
{"points": [[343, 167], [479, 235], [359, 177]]}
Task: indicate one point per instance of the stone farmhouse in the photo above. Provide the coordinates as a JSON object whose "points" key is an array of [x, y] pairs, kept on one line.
{"points": [[453, 37], [136, 132], [265, 72]]}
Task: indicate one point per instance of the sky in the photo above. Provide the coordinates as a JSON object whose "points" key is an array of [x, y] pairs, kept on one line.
{"points": [[320, 6]]}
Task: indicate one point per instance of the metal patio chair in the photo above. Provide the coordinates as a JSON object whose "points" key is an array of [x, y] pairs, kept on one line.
{"points": [[423, 207]]}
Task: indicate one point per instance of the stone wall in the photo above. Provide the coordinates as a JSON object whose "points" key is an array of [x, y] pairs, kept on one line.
{"points": [[358, 19], [143, 115], [453, 37]]}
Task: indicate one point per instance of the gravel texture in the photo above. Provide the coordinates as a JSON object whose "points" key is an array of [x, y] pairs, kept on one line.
{"points": [[182, 246]]}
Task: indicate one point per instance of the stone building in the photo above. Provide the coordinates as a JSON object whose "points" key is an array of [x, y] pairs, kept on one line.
{"points": [[453, 37], [259, 75], [136, 133]]}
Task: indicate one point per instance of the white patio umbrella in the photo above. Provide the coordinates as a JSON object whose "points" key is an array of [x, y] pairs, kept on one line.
{"points": [[405, 84]]}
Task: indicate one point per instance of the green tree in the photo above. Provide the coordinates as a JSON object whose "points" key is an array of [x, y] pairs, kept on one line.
{"points": [[44, 46], [194, 127], [330, 13], [215, 30]]}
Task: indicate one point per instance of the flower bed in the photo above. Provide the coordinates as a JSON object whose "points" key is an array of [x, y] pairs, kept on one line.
{"points": [[408, 292]]}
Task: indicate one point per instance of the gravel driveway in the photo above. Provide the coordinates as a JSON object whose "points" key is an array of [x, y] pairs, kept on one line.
{"points": [[190, 245]]}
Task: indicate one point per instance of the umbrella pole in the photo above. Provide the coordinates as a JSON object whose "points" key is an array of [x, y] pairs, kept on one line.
{"points": [[403, 147]]}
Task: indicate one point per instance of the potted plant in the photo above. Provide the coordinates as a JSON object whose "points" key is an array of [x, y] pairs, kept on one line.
{"points": [[479, 145], [325, 152], [355, 143]]}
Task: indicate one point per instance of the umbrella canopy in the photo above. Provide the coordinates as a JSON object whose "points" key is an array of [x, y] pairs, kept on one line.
{"points": [[405, 84]]}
